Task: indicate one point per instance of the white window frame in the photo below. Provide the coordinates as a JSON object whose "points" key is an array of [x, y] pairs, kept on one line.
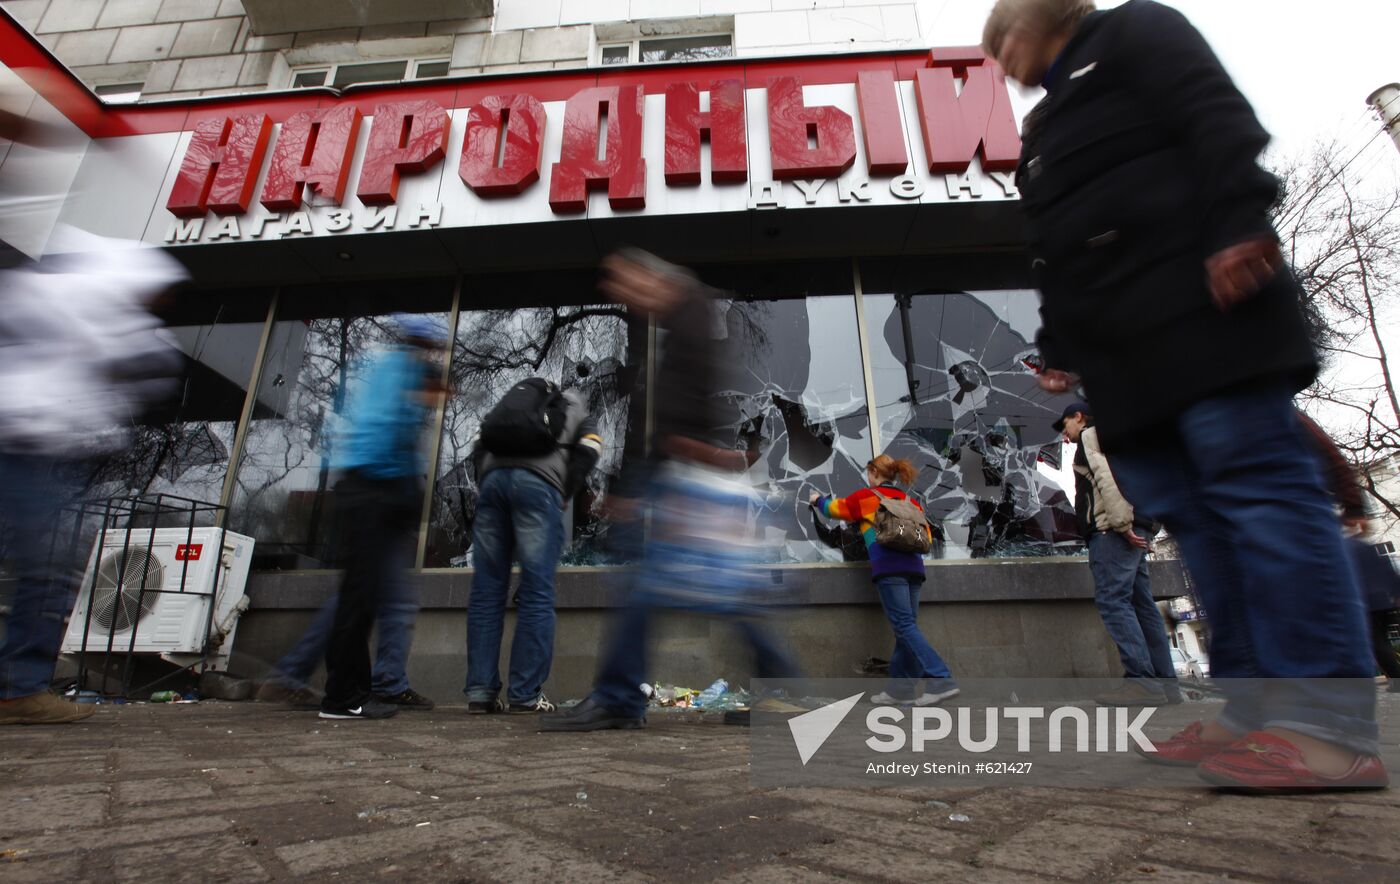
{"points": [[410, 65], [634, 51]]}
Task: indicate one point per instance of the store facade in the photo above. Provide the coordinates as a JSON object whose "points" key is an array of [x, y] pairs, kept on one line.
{"points": [[859, 213]]}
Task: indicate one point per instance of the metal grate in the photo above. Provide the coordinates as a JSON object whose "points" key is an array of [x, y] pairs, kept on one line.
{"points": [[118, 609]]}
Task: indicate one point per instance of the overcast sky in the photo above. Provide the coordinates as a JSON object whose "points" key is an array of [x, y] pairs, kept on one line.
{"points": [[1307, 67]]}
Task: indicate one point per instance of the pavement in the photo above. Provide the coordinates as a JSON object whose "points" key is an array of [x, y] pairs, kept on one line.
{"points": [[249, 792]]}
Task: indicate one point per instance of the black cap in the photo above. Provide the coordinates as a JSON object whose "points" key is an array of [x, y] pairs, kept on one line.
{"points": [[1070, 411]]}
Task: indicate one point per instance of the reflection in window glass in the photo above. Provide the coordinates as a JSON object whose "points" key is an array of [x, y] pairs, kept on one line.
{"points": [[586, 347], [430, 69], [800, 397], [308, 79], [957, 396], [372, 72], [120, 93], [617, 54], [687, 48], [283, 493]]}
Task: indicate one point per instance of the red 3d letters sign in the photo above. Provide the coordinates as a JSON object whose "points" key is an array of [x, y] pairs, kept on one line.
{"points": [[687, 126], [807, 142], [406, 137], [602, 148], [958, 126], [502, 147], [963, 107], [313, 151], [880, 123], [221, 166]]}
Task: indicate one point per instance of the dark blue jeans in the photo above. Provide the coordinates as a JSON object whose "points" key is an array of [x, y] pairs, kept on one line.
{"points": [[1235, 483], [394, 617], [377, 518], [30, 498], [1123, 595], [519, 518], [913, 657]]}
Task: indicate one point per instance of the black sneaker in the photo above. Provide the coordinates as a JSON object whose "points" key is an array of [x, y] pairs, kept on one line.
{"points": [[406, 699], [369, 709], [589, 716], [486, 707], [539, 704]]}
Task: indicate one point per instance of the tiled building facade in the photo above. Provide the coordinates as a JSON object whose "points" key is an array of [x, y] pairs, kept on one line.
{"points": [[163, 49]]}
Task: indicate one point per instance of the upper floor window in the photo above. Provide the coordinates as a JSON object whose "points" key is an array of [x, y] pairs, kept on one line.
{"points": [[341, 75], [660, 49], [120, 93]]}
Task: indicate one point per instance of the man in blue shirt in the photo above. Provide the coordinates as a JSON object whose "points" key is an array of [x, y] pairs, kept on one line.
{"points": [[379, 497]]}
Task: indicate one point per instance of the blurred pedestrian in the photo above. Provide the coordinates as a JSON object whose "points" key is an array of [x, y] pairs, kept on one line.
{"points": [[897, 569], [1119, 540], [379, 500], [696, 555], [394, 618], [81, 357], [1380, 585], [1149, 220]]}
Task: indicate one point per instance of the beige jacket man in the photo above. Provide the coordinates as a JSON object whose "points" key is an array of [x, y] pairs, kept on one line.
{"points": [[1112, 512]]}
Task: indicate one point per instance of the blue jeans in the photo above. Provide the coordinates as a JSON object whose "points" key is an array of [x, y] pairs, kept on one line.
{"points": [[1235, 483], [913, 657], [395, 614], [30, 497], [519, 518], [1123, 596]]}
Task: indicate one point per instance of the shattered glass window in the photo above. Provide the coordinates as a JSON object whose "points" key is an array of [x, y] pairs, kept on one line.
{"points": [[956, 394], [799, 394], [284, 492], [587, 346]]}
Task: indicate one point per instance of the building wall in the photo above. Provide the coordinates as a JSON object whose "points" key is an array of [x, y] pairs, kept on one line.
{"points": [[186, 48], [1387, 527]]}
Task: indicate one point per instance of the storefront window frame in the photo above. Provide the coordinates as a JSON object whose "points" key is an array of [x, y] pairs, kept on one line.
{"points": [[459, 281]]}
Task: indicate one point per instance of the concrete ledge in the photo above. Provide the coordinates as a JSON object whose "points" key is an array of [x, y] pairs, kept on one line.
{"points": [[987, 580]]}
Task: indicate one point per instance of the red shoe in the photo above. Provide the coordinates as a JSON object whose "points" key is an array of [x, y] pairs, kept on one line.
{"points": [[1262, 762], [1185, 749]]}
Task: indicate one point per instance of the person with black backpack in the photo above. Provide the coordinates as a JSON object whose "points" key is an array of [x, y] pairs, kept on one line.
{"points": [[897, 534], [537, 447]]}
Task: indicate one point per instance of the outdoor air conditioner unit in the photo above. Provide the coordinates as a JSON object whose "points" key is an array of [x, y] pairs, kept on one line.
{"points": [[174, 620]]}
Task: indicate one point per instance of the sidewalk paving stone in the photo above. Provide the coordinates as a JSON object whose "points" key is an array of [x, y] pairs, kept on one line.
{"points": [[251, 792]]}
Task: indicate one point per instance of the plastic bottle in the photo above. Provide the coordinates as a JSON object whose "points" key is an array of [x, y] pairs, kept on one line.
{"points": [[165, 696], [712, 693]]}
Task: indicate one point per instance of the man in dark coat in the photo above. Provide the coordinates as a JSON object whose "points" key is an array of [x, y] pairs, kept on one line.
{"points": [[1148, 214]]}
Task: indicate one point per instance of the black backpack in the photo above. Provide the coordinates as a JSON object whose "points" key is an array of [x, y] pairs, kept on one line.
{"points": [[527, 422]]}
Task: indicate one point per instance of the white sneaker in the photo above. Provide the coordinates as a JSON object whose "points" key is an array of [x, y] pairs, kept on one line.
{"points": [[884, 698], [933, 698]]}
